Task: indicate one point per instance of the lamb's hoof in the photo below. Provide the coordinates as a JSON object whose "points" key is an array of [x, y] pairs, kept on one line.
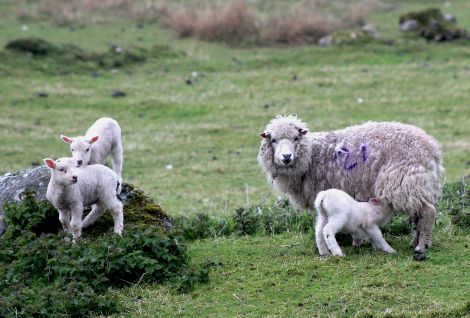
{"points": [[419, 257]]}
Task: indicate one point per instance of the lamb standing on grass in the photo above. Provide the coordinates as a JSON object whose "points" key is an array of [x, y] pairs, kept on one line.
{"points": [[101, 139], [398, 164], [337, 211], [71, 189]]}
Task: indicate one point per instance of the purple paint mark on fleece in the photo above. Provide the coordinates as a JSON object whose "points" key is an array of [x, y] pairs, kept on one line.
{"points": [[346, 165], [364, 153]]}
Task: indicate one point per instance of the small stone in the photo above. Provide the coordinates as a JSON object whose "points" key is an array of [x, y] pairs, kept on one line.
{"points": [[117, 93], [326, 41], [370, 30], [189, 82], [409, 25], [42, 94], [295, 77], [24, 28], [169, 167], [449, 18]]}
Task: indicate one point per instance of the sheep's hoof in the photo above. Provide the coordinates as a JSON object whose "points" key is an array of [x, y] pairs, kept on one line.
{"points": [[419, 257]]}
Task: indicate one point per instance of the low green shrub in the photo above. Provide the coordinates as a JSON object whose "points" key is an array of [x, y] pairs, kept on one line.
{"points": [[456, 201], [43, 274]]}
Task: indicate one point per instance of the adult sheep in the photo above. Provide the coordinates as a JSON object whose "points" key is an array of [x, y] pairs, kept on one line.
{"points": [[398, 164]]}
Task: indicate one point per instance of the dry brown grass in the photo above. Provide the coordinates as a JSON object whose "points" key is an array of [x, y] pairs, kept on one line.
{"points": [[232, 21]]}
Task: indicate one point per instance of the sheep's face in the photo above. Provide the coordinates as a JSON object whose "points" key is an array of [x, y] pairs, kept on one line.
{"points": [[63, 170], [80, 148], [284, 145]]}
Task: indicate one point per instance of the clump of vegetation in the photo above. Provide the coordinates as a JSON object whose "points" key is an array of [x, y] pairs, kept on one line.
{"points": [[236, 23], [70, 57], [44, 274], [456, 200], [432, 24]]}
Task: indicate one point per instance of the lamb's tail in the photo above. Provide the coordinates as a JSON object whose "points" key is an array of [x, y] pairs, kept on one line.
{"points": [[118, 187], [319, 200]]}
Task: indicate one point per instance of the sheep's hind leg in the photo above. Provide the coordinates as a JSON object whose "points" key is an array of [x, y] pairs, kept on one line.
{"points": [[321, 243], [118, 217], [116, 154], [96, 211], [331, 228], [427, 216]]}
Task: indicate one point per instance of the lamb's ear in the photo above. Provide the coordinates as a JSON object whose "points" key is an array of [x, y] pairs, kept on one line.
{"points": [[94, 139], [265, 135], [66, 139], [303, 131], [375, 201], [50, 163]]}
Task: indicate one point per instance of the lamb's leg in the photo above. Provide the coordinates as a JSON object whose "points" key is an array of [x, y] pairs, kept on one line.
{"points": [[64, 218], [427, 216], [117, 159], [76, 222], [329, 230], [378, 240], [96, 211], [321, 244], [118, 216]]}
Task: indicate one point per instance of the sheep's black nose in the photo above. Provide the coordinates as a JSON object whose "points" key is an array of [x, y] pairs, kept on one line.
{"points": [[287, 156], [79, 162], [74, 178]]}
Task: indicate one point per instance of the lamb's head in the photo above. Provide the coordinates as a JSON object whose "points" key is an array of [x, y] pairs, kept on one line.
{"points": [[80, 148], [285, 146], [62, 170]]}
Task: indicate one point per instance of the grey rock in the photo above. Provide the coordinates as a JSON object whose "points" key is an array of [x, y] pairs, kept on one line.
{"points": [[36, 179], [449, 17], [326, 40], [370, 30], [13, 185], [409, 25]]}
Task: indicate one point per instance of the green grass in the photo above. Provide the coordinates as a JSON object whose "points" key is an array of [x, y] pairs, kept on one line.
{"points": [[208, 132]]}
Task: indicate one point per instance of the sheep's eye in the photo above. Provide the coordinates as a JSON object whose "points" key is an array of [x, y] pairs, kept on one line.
{"points": [[87, 149], [273, 141], [296, 139], [72, 150], [61, 169]]}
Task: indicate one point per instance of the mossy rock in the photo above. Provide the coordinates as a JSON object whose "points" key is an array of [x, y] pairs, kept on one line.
{"points": [[432, 25], [34, 46], [139, 209]]}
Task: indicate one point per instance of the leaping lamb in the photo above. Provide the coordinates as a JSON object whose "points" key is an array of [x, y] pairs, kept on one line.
{"points": [[399, 164], [102, 139]]}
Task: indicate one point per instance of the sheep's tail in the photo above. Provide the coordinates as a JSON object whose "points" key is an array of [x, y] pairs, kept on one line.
{"points": [[319, 200], [118, 187]]}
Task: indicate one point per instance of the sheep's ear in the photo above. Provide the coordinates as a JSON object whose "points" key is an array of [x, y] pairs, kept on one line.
{"points": [[303, 131], [50, 163], [66, 139], [265, 135], [375, 201], [94, 139]]}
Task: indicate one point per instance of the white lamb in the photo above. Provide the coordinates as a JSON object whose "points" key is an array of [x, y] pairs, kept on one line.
{"points": [[71, 189], [339, 212], [101, 139]]}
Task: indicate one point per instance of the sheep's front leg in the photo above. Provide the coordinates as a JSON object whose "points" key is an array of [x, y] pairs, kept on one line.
{"points": [[64, 218], [76, 222], [377, 239], [329, 230], [116, 154], [321, 243]]}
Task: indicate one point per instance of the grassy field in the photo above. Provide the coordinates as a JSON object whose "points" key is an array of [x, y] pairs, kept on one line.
{"points": [[199, 107]]}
